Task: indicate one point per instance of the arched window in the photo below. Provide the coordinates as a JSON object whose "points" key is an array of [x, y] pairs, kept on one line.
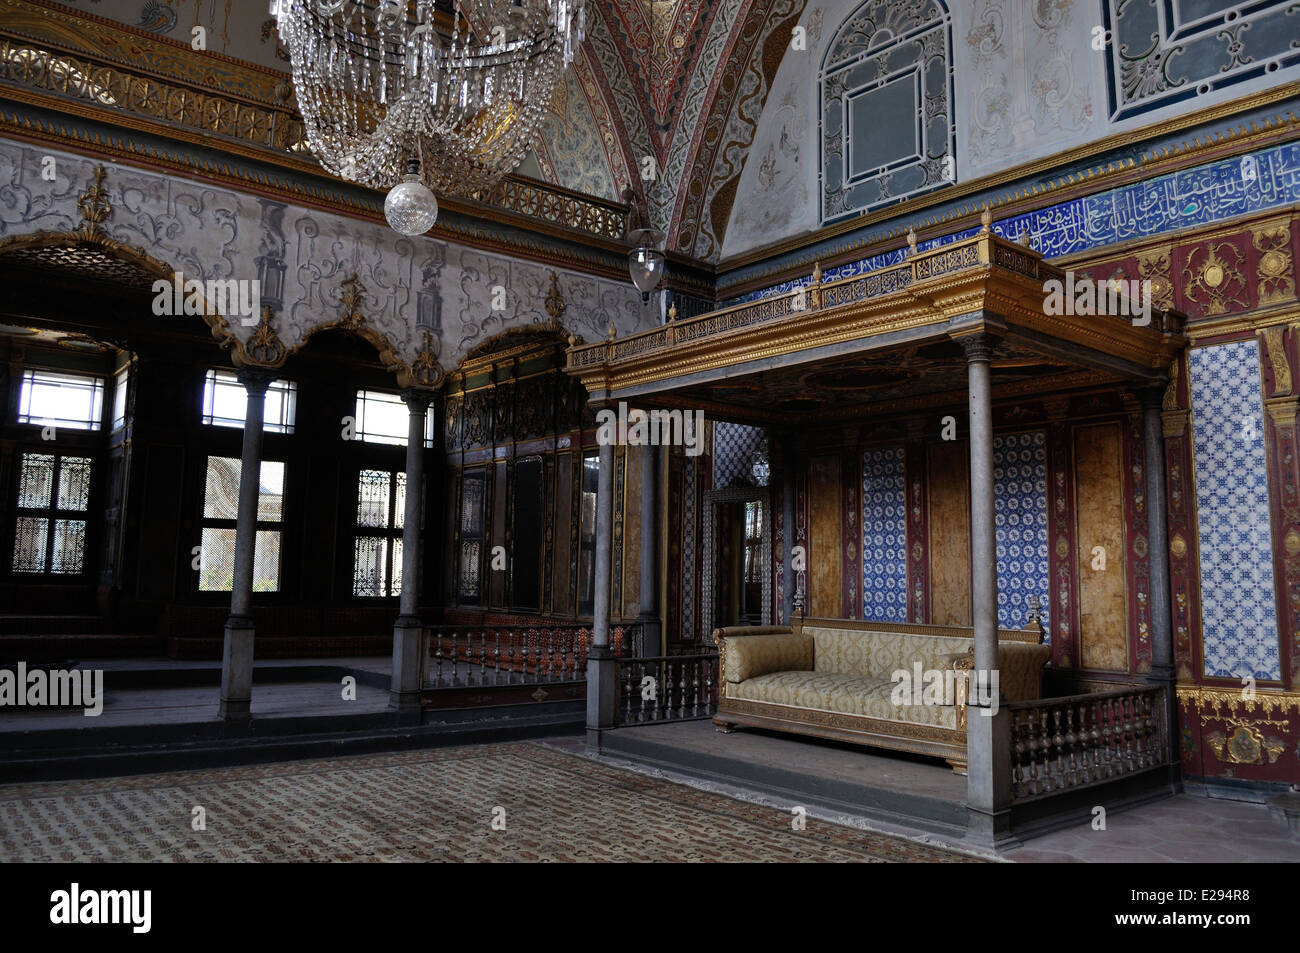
{"points": [[885, 91]]}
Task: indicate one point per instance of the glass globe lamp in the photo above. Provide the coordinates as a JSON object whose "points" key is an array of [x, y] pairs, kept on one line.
{"points": [[645, 262], [411, 208]]}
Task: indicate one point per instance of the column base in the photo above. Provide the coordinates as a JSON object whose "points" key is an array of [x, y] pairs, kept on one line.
{"points": [[237, 671], [988, 778], [990, 831], [602, 694], [405, 689]]}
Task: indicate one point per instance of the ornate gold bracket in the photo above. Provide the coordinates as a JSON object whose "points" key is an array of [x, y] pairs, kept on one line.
{"points": [[94, 207]]}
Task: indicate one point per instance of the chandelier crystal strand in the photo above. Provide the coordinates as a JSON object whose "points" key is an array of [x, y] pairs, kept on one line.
{"points": [[380, 80]]}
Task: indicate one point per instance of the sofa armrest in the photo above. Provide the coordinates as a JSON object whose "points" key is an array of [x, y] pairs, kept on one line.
{"points": [[1020, 673], [1020, 670], [744, 656]]}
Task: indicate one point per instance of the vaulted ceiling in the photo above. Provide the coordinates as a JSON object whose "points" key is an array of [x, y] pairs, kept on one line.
{"points": [[665, 96]]}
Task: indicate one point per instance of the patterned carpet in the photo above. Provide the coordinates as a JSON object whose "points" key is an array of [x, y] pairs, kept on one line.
{"points": [[433, 805]]}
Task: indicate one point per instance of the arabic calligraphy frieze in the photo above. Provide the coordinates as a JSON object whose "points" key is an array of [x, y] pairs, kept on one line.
{"points": [[1203, 195]]}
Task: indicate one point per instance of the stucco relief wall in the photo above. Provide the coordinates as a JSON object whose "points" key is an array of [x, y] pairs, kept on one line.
{"points": [[1028, 85], [207, 232]]}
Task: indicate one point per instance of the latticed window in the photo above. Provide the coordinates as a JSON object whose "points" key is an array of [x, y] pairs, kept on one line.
{"points": [[50, 529], [471, 538], [220, 510], [381, 510]]}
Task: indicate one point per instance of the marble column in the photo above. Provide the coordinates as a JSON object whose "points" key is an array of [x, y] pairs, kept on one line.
{"points": [[988, 741], [601, 672], [237, 648], [648, 619], [788, 491], [404, 690], [984, 566], [1161, 607]]}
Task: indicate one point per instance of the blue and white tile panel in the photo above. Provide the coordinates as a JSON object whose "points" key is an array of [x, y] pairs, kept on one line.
{"points": [[884, 535], [1238, 607], [1020, 513]]}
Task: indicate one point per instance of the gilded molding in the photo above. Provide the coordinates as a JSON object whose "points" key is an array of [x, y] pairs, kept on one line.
{"points": [[984, 273], [1272, 243], [1234, 700], [1275, 347], [264, 348]]}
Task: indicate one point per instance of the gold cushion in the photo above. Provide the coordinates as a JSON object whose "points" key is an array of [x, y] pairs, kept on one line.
{"points": [[840, 693], [1020, 670]]}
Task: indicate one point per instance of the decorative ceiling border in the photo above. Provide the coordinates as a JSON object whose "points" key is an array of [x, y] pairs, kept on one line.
{"points": [[104, 73], [457, 227], [1025, 198]]}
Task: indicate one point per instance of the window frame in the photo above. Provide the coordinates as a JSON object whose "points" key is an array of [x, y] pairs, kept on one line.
{"points": [[393, 532], [261, 526], [586, 550], [98, 393], [52, 514], [287, 389], [364, 394], [480, 476]]}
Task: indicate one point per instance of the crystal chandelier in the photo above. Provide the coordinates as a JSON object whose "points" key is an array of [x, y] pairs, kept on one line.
{"points": [[454, 88]]}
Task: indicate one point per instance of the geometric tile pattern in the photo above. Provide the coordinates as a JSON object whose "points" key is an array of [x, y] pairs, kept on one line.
{"points": [[739, 452], [431, 805], [1020, 514], [884, 535], [688, 547], [1238, 607]]}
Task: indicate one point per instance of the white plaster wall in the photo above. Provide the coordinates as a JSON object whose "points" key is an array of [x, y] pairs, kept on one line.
{"points": [[1027, 84], [208, 231]]}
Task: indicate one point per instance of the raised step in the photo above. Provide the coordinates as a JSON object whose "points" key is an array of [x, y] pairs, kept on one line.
{"points": [[42, 624], [56, 647], [279, 647]]}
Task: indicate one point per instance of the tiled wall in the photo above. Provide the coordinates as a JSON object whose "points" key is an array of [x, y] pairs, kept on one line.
{"points": [[1020, 512], [884, 535], [1238, 607], [736, 448]]}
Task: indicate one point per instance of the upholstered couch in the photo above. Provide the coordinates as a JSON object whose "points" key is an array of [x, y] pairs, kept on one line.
{"points": [[834, 678]]}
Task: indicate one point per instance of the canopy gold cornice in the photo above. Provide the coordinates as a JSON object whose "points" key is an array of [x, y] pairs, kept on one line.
{"points": [[984, 283]]}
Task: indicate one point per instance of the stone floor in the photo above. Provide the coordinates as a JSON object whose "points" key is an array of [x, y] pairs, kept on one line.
{"points": [[1188, 827], [515, 801], [190, 703]]}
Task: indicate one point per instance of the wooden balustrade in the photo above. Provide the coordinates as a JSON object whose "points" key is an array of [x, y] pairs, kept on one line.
{"points": [[662, 688], [463, 657], [1059, 744]]}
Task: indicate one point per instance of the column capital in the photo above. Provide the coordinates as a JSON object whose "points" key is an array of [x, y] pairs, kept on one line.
{"points": [[255, 379], [417, 398], [978, 347], [1152, 396]]}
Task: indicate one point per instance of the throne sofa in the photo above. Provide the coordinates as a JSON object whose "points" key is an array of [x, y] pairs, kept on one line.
{"points": [[833, 678]]}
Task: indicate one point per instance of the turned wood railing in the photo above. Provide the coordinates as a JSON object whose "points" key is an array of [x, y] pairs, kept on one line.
{"points": [[662, 688], [465, 657], [1060, 744]]}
